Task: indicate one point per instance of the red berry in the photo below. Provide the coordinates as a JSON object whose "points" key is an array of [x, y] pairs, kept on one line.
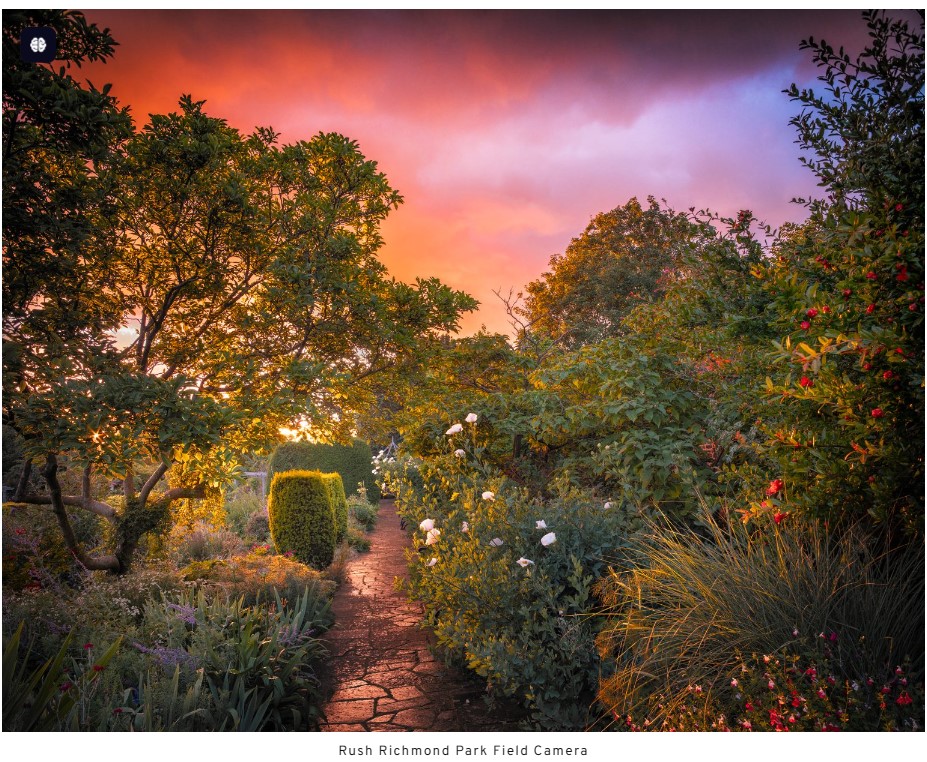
{"points": [[805, 325], [806, 382], [877, 412], [898, 207], [871, 275], [811, 313], [888, 375], [870, 309]]}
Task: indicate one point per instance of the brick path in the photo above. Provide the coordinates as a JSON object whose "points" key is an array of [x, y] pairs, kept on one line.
{"points": [[381, 674]]}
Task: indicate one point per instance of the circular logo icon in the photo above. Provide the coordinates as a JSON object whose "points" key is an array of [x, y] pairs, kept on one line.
{"points": [[37, 45]]}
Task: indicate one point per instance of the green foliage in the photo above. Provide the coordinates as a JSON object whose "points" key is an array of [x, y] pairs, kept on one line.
{"points": [[34, 554], [302, 517], [363, 513], [848, 294], [692, 607], [203, 542], [625, 257], [258, 660], [339, 504], [257, 575], [351, 462], [522, 626], [53, 695]]}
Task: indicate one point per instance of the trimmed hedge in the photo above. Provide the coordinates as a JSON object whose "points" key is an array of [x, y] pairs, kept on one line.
{"points": [[351, 462], [339, 504], [302, 517]]}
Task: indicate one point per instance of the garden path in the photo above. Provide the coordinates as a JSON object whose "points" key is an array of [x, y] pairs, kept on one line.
{"points": [[381, 674]]}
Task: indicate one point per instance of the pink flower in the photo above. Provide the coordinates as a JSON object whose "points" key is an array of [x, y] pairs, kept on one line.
{"points": [[805, 325], [812, 313]]}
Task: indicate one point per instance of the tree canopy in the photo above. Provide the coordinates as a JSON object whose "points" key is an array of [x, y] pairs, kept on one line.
{"points": [[177, 293]]}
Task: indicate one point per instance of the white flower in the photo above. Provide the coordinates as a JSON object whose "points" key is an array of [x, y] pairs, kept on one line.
{"points": [[548, 539], [427, 525], [495, 542], [540, 524], [455, 429], [432, 562], [433, 535], [489, 496], [459, 453], [523, 562], [465, 527], [607, 506], [471, 418]]}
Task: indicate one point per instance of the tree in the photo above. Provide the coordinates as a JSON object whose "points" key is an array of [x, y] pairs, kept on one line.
{"points": [[625, 257], [245, 274], [848, 291]]}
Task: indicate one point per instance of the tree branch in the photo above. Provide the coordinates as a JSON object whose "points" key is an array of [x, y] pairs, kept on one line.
{"points": [[23, 481], [177, 493], [104, 510], [50, 472], [152, 481]]}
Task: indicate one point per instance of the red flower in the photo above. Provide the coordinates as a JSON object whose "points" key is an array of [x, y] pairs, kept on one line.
{"points": [[846, 293], [748, 706], [778, 516], [867, 366], [98, 667], [888, 375], [805, 325], [806, 382], [898, 207], [66, 687], [825, 309], [904, 699], [870, 309], [88, 646], [821, 693], [117, 710], [812, 312], [775, 486], [902, 274], [871, 275], [877, 412]]}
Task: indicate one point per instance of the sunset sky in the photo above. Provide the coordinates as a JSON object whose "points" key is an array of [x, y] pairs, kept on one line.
{"points": [[504, 131]]}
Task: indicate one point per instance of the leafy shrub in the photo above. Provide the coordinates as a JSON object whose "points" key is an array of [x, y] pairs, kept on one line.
{"points": [[254, 577], [339, 504], [302, 517], [515, 609], [240, 504], [364, 514], [203, 542], [258, 661], [789, 692], [257, 529], [34, 553], [54, 694], [357, 540], [693, 608], [352, 462]]}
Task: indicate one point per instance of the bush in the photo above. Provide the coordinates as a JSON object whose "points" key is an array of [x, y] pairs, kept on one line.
{"points": [[255, 577], [240, 505], [302, 518], [694, 610], [351, 462], [339, 504], [258, 527], [514, 609], [203, 542], [364, 514]]}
